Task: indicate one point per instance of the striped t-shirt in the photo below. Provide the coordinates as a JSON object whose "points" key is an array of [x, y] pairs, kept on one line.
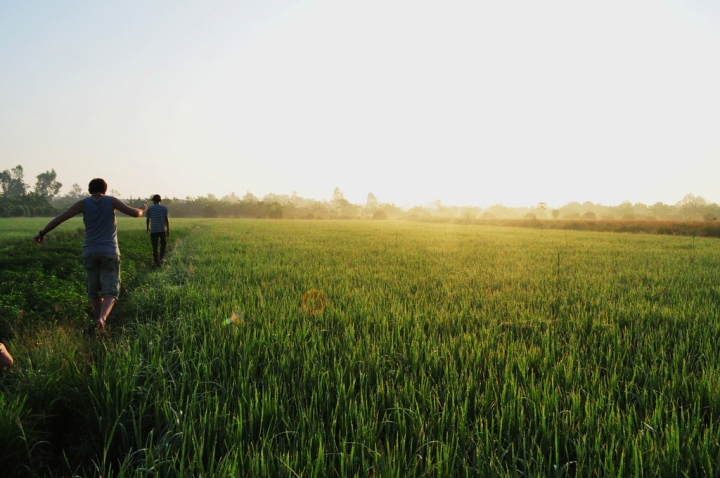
{"points": [[157, 214]]}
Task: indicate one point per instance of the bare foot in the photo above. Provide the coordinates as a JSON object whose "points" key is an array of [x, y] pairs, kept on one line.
{"points": [[100, 324]]}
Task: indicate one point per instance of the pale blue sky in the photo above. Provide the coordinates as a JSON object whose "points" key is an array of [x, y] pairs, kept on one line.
{"points": [[466, 102]]}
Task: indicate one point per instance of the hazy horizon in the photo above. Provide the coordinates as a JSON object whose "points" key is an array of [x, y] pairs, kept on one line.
{"points": [[407, 205], [468, 103]]}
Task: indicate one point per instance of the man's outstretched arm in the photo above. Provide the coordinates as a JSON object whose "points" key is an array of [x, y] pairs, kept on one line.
{"points": [[125, 209], [72, 211]]}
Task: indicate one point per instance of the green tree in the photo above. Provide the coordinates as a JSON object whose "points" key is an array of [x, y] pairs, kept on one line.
{"points": [[500, 211], [442, 211], [12, 183], [275, 210], [692, 211], [626, 210], [660, 210], [372, 203], [542, 207], [75, 191], [249, 197], [338, 198], [209, 210], [712, 212], [47, 185], [341, 204], [232, 198]]}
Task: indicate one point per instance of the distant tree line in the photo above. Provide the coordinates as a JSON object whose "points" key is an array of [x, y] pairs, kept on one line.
{"points": [[17, 199], [280, 206], [690, 208]]}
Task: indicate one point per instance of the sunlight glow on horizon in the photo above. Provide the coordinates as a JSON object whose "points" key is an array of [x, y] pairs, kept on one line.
{"points": [[469, 103]]}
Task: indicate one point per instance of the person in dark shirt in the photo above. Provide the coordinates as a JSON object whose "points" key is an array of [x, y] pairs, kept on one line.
{"points": [[158, 226], [101, 255]]}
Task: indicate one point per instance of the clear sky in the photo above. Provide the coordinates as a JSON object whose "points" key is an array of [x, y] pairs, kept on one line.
{"points": [[475, 102]]}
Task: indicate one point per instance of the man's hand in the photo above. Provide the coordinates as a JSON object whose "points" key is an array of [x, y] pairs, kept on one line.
{"points": [[148, 231], [167, 234], [144, 207], [72, 211]]}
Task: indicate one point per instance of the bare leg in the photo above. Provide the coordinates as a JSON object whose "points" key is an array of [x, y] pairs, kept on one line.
{"points": [[107, 304], [6, 359]]}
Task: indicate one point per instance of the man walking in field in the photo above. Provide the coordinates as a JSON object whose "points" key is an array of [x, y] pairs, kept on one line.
{"points": [[158, 226], [101, 255]]}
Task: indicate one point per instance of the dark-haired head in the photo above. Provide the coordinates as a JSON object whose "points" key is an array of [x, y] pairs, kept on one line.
{"points": [[156, 198], [97, 185]]}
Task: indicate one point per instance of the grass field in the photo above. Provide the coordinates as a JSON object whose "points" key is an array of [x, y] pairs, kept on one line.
{"points": [[444, 350]]}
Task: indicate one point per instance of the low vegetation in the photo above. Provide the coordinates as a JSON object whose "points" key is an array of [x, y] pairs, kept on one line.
{"points": [[442, 350], [672, 228]]}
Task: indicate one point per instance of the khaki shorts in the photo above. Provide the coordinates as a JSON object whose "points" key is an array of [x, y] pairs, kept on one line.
{"points": [[102, 274]]}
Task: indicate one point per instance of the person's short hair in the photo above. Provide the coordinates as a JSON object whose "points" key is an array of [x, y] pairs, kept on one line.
{"points": [[97, 185], [156, 198]]}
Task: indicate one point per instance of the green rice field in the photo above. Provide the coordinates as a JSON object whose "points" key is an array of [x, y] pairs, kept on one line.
{"points": [[442, 350]]}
